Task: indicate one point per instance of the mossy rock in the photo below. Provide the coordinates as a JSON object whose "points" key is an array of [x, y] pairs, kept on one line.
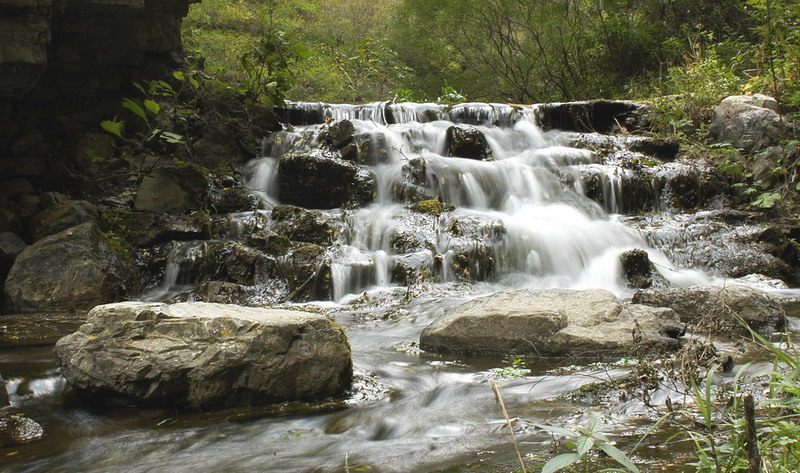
{"points": [[432, 207]]}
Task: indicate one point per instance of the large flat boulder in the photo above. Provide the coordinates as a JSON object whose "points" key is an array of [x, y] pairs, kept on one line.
{"points": [[556, 322], [73, 269], [714, 309], [205, 356]]}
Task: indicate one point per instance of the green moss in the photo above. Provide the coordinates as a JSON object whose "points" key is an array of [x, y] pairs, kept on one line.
{"points": [[277, 245], [432, 207], [118, 245]]}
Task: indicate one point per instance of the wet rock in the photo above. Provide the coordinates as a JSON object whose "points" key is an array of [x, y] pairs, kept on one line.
{"points": [[205, 356], [725, 243], [414, 184], [637, 268], [61, 217], [225, 261], [146, 229], [600, 116], [3, 394], [371, 149], [468, 142], [471, 253], [590, 323], [412, 268], [339, 134], [72, 269], [717, 309], [225, 292], [320, 180], [308, 274], [298, 224], [750, 122], [173, 190], [660, 148], [16, 430], [233, 199]]}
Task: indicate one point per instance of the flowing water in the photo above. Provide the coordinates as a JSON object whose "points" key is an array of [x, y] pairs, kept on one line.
{"points": [[523, 219], [525, 211]]}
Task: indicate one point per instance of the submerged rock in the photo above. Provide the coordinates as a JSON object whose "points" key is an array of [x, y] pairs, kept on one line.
{"points": [[715, 309], [321, 180], [15, 430], [205, 356], [588, 323], [73, 269]]}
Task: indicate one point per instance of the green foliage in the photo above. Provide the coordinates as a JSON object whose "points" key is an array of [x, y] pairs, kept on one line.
{"points": [[583, 440], [720, 440], [450, 95], [515, 369]]}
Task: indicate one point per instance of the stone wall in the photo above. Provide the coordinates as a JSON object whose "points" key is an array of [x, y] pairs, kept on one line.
{"points": [[64, 66]]}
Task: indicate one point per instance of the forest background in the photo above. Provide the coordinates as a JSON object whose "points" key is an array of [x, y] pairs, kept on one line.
{"points": [[683, 55]]}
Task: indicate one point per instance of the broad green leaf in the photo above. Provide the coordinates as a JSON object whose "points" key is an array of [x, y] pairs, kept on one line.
{"points": [[595, 425], [584, 444], [152, 106], [113, 126], [134, 107], [557, 430], [560, 462], [179, 76], [173, 138], [618, 456]]}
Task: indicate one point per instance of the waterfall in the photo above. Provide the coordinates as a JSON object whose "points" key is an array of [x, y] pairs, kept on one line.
{"points": [[539, 213]]}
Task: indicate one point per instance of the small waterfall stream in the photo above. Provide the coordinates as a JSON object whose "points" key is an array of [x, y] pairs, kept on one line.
{"points": [[541, 212], [521, 219]]}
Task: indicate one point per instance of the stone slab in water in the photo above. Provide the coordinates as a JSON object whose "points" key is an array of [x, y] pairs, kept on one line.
{"points": [[714, 309], [205, 356], [556, 322]]}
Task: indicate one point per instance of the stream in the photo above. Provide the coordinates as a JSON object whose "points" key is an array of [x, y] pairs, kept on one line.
{"points": [[524, 219]]}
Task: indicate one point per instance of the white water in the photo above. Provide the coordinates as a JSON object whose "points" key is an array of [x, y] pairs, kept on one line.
{"points": [[526, 209]]}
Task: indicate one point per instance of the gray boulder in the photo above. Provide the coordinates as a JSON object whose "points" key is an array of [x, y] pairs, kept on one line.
{"points": [[552, 323], [61, 217], [10, 245], [15, 430], [715, 309], [72, 269], [205, 356], [321, 180], [750, 122], [172, 190]]}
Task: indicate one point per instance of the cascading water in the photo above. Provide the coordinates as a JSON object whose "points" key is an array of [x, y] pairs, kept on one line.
{"points": [[522, 218]]}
